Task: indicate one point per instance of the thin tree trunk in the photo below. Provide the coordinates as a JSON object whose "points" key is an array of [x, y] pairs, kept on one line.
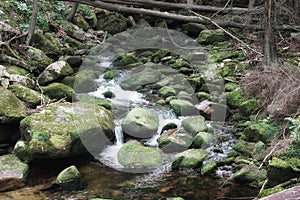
{"points": [[297, 11], [72, 12], [270, 57], [32, 22], [249, 16]]}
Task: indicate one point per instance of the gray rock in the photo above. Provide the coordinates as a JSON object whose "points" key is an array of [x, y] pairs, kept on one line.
{"points": [[69, 178], [193, 125], [12, 172], [211, 36], [140, 123], [183, 107], [250, 173], [58, 69], [203, 139]]}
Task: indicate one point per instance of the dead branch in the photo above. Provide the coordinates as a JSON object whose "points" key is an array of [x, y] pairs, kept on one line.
{"points": [[14, 61]]}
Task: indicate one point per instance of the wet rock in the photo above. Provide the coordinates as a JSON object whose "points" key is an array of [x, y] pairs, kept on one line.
{"points": [[147, 76], [190, 158], [108, 94], [134, 154], [140, 123], [183, 107], [69, 178], [203, 139], [211, 36], [11, 108], [12, 172], [193, 125], [209, 168], [111, 74], [167, 91], [60, 130], [175, 141], [280, 170], [58, 91], [31, 97], [56, 70], [250, 173]]}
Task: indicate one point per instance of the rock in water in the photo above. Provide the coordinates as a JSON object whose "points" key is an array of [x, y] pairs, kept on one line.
{"points": [[194, 125], [12, 172], [68, 179], [140, 123], [190, 158]]}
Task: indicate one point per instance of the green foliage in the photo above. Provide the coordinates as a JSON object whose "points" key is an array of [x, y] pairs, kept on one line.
{"points": [[294, 128]]}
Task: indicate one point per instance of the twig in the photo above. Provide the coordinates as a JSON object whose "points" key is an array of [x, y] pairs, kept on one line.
{"points": [[287, 183], [221, 9], [262, 187], [267, 156], [234, 37]]}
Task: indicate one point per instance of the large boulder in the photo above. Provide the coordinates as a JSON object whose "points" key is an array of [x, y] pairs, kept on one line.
{"points": [[193, 125], [11, 108], [56, 70], [190, 158], [134, 155], [183, 107], [31, 97], [12, 172], [60, 130], [250, 173], [69, 178], [147, 76], [58, 91], [211, 36], [140, 123]]}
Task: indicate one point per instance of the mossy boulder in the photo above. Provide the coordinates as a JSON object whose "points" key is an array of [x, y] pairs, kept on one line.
{"points": [[95, 101], [133, 154], [111, 74], [61, 129], [193, 125], [250, 173], [47, 43], [69, 178], [175, 141], [190, 158], [140, 123], [167, 91], [259, 131], [147, 76], [111, 22], [211, 36], [280, 170], [183, 95], [56, 70], [69, 81], [203, 139], [58, 91], [129, 60], [201, 96], [234, 98], [37, 59], [11, 108], [80, 21], [183, 107], [209, 168], [13, 172], [85, 81], [12, 69], [31, 97], [245, 148]]}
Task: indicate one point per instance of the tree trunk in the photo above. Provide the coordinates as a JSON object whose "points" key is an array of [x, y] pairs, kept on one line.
{"points": [[297, 11], [32, 22], [72, 12], [270, 57], [249, 16]]}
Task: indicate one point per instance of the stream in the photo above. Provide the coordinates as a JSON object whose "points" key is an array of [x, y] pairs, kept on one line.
{"points": [[104, 177]]}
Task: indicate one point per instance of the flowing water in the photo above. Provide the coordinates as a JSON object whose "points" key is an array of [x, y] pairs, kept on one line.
{"points": [[102, 176]]}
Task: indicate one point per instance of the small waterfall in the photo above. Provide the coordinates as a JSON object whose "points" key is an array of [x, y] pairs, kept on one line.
{"points": [[119, 133]]}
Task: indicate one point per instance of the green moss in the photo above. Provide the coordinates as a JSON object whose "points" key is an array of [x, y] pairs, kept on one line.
{"points": [[40, 136], [208, 168], [31, 97], [166, 91], [58, 91], [12, 69], [190, 158], [234, 99], [111, 74], [210, 36], [270, 191], [11, 162], [246, 148]]}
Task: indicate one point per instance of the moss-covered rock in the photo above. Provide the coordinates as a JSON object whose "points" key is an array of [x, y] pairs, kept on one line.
{"points": [[80, 21], [193, 28], [55, 71], [250, 173], [259, 131], [31, 97], [97, 102], [74, 61], [69, 81], [147, 76], [111, 22], [12, 172], [85, 81], [280, 170], [111, 74], [245, 148], [203, 139], [12, 69], [211, 36], [270, 191], [193, 125], [208, 168], [47, 43], [58, 91], [37, 59], [234, 99], [190, 158], [11, 108], [167, 91], [201, 96], [55, 131], [134, 154], [69, 178], [183, 107], [140, 123], [175, 141]]}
